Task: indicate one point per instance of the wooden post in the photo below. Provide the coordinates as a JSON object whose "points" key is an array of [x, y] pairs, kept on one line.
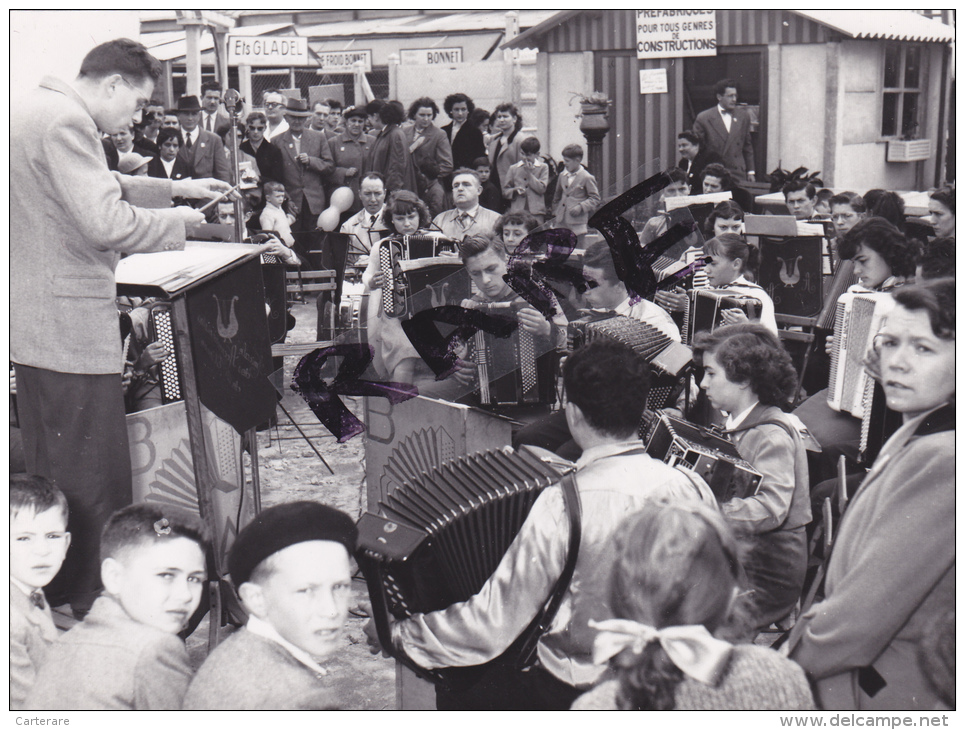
{"points": [[192, 57]]}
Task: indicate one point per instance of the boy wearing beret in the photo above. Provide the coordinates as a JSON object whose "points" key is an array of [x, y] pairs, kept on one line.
{"points": [[292, 569]]}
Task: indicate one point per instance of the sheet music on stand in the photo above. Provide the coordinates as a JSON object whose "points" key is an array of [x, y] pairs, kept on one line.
{"points": [[686, 201], [167, 272]]}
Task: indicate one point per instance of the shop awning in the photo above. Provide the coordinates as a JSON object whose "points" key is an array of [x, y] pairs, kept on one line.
{"points": [[896, 25]]}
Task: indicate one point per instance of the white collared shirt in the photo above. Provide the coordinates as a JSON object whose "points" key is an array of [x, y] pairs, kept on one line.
{"points": [[168, 166], [27, 590], [726, 116], [366, 220], [266, 631], [471, 212], [733, 422], [272, 132]]}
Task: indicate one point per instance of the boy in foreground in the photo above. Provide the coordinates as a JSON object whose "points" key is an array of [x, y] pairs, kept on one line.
{"points": [[126, 655], [292, 568], [38, 545]]}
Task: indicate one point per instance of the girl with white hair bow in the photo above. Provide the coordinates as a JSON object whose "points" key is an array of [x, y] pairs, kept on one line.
{"points": [[673, 587]]}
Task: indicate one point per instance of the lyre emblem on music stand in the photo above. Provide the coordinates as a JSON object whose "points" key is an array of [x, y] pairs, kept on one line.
{"points": [[790, 272], [439, 293], [227, 325]]}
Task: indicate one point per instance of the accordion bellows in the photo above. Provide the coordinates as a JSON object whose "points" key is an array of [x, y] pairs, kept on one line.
{"points": [[462, 517], [669, 360], [440, 536], [705, 310]]}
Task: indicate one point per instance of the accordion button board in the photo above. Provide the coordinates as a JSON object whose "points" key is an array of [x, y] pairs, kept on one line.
{"points": [[714, 457]]}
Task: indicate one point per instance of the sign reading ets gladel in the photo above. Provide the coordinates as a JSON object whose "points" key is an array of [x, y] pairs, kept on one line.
{"points": [[267, 51]]}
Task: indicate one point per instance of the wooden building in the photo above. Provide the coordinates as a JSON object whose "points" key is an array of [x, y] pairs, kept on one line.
{"points": [[833, 91]]}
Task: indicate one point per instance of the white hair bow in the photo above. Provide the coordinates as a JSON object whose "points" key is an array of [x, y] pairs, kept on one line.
{"points": [[691, 648]]}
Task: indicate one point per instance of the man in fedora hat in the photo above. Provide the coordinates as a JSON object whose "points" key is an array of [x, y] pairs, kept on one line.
{"points": [[202, 152], [306, 164]]}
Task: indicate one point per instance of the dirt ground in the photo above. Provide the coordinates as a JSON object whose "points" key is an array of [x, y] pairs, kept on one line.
{"points": [[290, 470]]}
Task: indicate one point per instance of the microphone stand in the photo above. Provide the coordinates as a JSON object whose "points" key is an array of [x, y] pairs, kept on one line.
{"points": [[232, 102]]}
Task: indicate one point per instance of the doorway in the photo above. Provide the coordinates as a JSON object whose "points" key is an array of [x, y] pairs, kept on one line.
{"points": [[746, 66]]}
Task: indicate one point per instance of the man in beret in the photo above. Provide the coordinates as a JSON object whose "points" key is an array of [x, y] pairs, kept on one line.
{"points": [[292, 568]]}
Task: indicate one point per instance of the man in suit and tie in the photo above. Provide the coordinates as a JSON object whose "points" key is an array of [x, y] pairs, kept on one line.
{"points": [[367, 225], [203, 152], [306, 162], [468, 218], [465, 139], [726, 131], [693, 159], [213, 116]]}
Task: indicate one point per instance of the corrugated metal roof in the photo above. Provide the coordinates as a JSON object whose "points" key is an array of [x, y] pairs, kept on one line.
{"points": [[423, 24], [170, 46], [899, 25], [904, 25], [554, 19]]}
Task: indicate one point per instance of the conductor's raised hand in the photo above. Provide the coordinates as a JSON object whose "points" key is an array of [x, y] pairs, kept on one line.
{"points": [[192, 217], [207, 187]]}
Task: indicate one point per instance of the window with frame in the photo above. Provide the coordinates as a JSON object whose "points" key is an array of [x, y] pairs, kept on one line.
{"points": [[901, 93]]}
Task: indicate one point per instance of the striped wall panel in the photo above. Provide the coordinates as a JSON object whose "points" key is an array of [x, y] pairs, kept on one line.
{"points": [[643, 128]]}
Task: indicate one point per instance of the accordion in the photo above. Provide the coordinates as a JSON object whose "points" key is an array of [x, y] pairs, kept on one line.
{"points": [[669, 361], [512, 370], [409, 264], [856, 321], [439, 537], [665, 267], [396, 249], [710, 454], [706, 306], [161, 330]]}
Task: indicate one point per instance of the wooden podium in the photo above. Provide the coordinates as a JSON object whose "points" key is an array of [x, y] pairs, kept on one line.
{"points": [[188, 452]]}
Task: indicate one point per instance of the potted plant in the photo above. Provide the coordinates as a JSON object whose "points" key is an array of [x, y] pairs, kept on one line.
{"points": [[780, 177], [592, 116], [596, 102]]}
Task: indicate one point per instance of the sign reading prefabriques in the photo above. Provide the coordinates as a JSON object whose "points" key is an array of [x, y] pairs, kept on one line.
{"points": [[267, 51], [676, 33]]}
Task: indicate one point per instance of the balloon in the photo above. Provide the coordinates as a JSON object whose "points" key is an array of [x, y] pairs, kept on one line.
{"points": [[328, 219], [342, 199]]}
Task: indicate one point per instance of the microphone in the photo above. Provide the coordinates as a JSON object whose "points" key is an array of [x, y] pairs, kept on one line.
{"points": [[232, 102]]}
